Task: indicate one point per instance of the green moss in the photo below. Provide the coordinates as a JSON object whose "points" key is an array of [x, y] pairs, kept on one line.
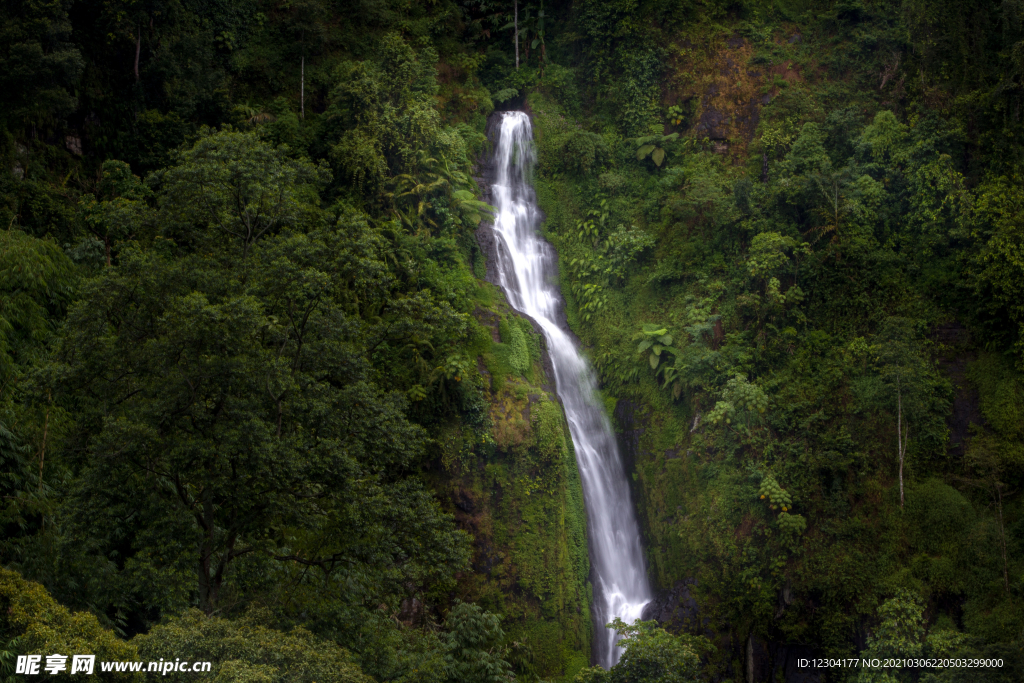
{"points": [[498, 364], [533, 503], [479, 339], [486, 294], [517, 351], [479, 263], [531, 337], [504, 331], [551, 438]]}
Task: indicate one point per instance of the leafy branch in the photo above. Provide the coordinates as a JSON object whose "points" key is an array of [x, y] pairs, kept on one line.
{"points": [[653, 146]]}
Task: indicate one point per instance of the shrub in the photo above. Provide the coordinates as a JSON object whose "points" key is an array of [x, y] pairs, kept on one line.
{"points": [[517, 349], [938, 515], [584, 151]]}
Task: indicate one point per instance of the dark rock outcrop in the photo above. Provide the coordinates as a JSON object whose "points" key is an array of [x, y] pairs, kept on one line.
{"points": [[712, 124], [675, 610]]}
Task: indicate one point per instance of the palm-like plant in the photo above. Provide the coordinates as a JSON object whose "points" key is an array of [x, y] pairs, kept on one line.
{"points": [[835, 208], [412, 193], [254, 115]]}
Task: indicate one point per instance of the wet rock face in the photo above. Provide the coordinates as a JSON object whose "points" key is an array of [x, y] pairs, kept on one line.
{"points": [[727, 85], [676, 610], [712, 124], [411, 612], [632, 427]]}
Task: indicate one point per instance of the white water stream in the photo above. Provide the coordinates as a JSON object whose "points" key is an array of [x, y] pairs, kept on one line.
{"points": [[526, 268]]}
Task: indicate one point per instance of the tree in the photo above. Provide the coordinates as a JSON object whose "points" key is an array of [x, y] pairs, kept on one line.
{"points": [[305, 23], [996, 454], [997, 270], [237, 185], [515, 37], [382, 115], [903, 370], [122, 208], [901, 635], [39, 66], [476, 647], [651, 655], [767, 253], [36, 281], [125, 19], [906, 384], [529, 23], [231, 418], [229, 408], [248, 649]]}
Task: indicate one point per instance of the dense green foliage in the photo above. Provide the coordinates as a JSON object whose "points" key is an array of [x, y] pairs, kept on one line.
{"points": [[256, 401], [651, 655], [34, 622], [245, 650]]}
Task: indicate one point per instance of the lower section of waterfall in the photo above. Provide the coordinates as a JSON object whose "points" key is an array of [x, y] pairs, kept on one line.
{"points": [[526, 270]]}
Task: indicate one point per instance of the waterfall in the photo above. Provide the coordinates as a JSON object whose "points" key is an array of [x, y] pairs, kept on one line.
{"points": [[526, 267]]}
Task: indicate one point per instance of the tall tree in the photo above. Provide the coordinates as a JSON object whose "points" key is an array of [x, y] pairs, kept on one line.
{"points": [[907, 387]]}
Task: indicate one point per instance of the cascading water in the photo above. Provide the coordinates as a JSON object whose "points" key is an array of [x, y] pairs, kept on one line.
{"points": [[526, 271]]}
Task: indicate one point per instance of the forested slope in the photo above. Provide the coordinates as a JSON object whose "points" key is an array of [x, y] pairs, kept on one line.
{"points": [[815, 360], [254, 387]]}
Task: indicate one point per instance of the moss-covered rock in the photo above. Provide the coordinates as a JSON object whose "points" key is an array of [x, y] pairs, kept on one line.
{"points": [[523, 503]]}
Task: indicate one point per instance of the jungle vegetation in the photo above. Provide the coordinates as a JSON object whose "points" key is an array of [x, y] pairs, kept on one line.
{"points": [[258, 404]]}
